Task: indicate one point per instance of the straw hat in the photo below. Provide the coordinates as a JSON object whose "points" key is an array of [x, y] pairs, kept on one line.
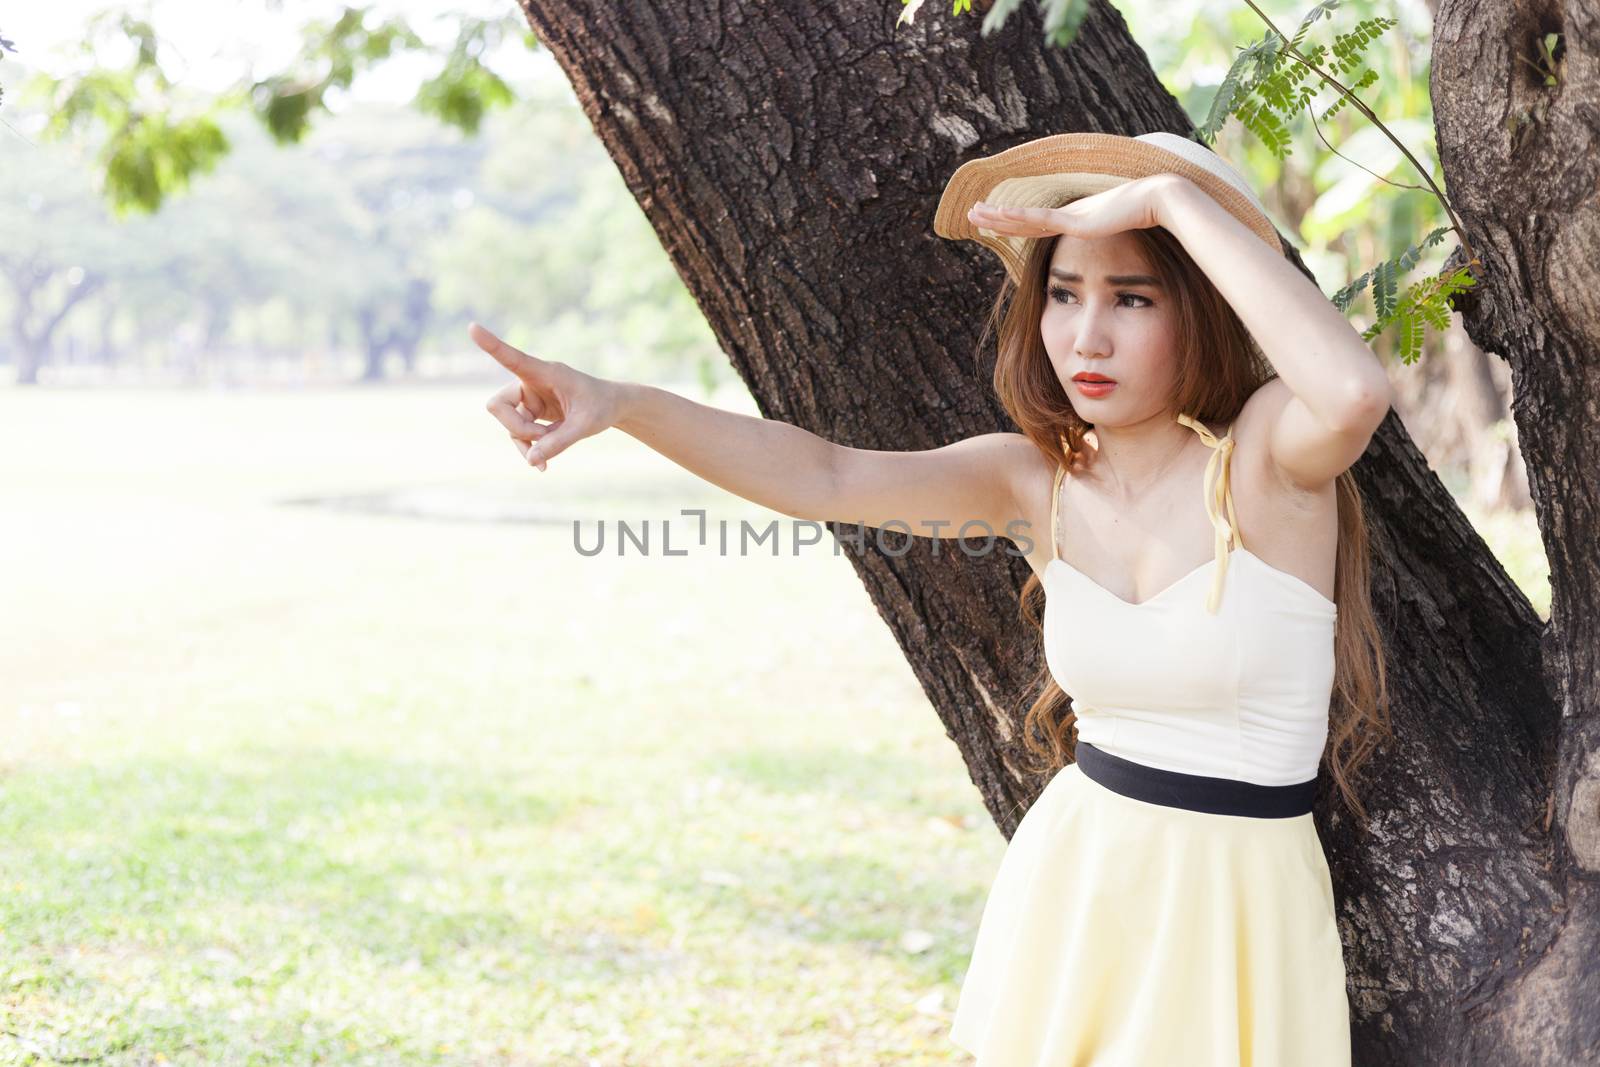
{"points": [[1050, 171]]}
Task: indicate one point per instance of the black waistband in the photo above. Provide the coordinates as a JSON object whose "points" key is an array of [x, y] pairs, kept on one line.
{"points": [[1195, 792]]}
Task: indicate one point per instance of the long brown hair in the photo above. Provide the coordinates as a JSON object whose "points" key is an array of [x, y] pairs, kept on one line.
{"points": [[1218, 370]]}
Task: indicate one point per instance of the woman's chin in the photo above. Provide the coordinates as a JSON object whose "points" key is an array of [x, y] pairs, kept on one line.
{"points": [[1091, 409]]}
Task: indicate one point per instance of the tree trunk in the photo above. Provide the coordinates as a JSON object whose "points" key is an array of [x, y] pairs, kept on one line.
{"points": [[790, 160], [34, 341], [372, 344], [416, 314], [1519, 156], [30, 354], [30, 357]]}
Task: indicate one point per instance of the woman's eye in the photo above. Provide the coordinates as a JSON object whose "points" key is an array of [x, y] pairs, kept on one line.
{"points": [[1058, 294]]}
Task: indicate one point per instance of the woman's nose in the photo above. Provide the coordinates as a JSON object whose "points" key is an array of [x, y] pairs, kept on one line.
{"points": [[1091, 333]]}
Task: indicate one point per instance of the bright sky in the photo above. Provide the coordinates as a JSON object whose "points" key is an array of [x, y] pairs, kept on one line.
{"points": [[214, 42]]}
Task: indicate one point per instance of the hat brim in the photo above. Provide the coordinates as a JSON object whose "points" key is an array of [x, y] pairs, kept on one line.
{"points": [[1050, 171]]}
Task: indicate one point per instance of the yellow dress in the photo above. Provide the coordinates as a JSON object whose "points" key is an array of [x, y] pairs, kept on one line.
{"points": [[1166, 899]]}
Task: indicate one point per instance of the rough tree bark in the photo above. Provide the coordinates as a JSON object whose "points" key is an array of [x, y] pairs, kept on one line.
{"points": [[790, 158], [1524, 174]]}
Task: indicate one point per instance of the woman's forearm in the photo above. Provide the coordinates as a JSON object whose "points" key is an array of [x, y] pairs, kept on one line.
{"points": [[1319, 355], [772, 463]]}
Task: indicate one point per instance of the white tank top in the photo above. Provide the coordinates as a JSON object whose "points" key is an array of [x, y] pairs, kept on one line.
{"points": [[1228, 680]]}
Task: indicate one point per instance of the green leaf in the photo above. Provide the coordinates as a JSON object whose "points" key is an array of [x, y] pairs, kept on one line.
{"points": [[1383, 289], [1222, 103], [1267, 126], [997, 16], [285, 107], [462, 92], [1347, 47], [1062, 19], [1344, 297], [1408, 259], [1411, 335], [1323, 9], [155, 155]]}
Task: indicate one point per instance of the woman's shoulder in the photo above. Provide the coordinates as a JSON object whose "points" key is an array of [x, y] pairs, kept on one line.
{"points": [[1032, 476], [1256, 478], [1026, 463], [1009, 462], [1252, 434], [1015, 450]]}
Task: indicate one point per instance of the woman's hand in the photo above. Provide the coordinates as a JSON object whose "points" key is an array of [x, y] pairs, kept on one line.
{"points": [[1133, 205], [576, 405]]}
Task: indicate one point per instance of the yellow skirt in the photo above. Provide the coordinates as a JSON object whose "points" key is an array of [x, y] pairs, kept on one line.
{"points": [[1125, 932]]}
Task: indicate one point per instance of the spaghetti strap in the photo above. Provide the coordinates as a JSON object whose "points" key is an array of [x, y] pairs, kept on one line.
{"points": [[1055, 495], [1218, 495]]}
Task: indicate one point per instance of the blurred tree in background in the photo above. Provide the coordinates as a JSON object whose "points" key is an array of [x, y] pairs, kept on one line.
{"points": [[318, 239]]}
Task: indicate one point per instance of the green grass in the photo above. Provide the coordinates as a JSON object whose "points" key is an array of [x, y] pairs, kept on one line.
{"points": [[287, 783], [292, 784]]}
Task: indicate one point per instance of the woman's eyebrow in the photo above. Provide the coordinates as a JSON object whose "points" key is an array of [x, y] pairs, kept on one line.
{"points": [[1111, 279]]}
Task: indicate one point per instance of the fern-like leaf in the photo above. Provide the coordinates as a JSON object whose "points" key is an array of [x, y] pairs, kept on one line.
{"points": [[1384, 284], [1323, 9], [1346, 296], [1408, 259], [1267, 126], [1347, 47], [1412, 329], [1369, 78], [1222, 103]]}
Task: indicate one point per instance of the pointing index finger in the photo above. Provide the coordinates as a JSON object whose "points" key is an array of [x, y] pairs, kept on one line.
{"points": [[508, 357]]}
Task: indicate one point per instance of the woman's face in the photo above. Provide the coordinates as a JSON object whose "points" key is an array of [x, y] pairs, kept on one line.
{"points": [[1105, 314]]}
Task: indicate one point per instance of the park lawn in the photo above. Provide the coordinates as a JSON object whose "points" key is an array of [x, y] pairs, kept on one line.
{"points": [[289, 783]]}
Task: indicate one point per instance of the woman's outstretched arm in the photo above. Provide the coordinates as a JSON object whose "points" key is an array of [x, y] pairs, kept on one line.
{"points": [[783, 467], [793, 471]]}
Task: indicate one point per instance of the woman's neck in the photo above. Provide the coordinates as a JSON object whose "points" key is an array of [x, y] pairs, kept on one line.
{"points": [[1132, 459]]}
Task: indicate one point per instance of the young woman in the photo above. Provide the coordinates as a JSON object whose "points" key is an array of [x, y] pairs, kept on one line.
{"points": [[1182, 393]]}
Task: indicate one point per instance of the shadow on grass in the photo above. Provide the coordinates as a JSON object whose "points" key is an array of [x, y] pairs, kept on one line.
{"points": [[361, 847]]}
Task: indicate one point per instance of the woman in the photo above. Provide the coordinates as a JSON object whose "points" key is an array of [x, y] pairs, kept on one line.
{"points": [[1166, 899]]}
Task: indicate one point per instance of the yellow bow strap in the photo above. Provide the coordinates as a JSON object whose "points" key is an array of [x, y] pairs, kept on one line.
{"points": [[1218, 495]]}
